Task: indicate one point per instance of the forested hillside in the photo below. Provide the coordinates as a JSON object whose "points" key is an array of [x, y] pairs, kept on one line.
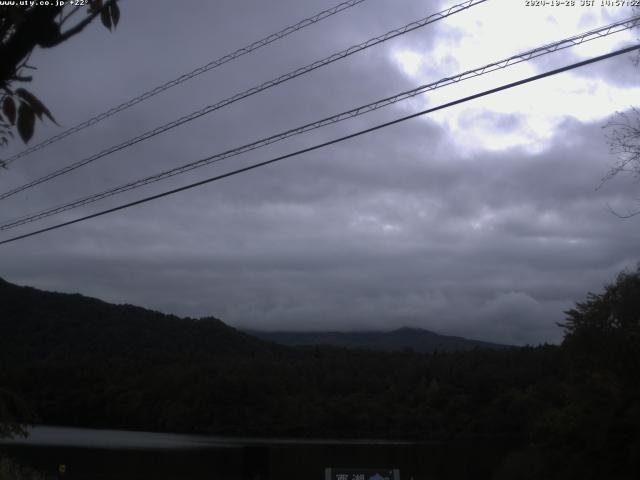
{"points": [[569, 410], [62, 325]]}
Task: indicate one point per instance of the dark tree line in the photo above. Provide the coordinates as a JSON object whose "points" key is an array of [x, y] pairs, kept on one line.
{"points": [[568, 411]]}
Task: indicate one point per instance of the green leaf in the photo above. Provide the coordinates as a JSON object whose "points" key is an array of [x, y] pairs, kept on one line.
{"points": [[26, 121], [115, 14], [36, 105], [9, 110], [105, 17]]}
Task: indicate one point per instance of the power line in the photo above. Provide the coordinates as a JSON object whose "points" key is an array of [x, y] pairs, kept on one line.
{"points": [[188, 76], [355, 112], [331, 142], [252, 91]]}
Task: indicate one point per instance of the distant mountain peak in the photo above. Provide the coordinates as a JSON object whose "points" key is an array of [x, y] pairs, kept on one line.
{"points": [[414, 338]]}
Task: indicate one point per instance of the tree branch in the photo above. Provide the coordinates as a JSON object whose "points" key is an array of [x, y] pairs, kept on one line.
{"points": [[619, 215], [37, 27], [69, 15], [81, 25]]}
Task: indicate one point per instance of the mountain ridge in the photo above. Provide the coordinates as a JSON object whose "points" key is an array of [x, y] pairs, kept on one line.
{"points": [[413, 338], [62, 323], [70, 311]]}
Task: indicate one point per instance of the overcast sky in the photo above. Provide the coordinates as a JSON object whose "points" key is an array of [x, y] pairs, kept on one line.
{"points": [[483, 220]]}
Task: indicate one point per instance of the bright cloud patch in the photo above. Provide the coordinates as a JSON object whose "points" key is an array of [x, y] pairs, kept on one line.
{"points": [[530, 116], [409, 61]]}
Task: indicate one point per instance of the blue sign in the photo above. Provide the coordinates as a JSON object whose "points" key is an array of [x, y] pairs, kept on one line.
{"points": [[361, 474]]}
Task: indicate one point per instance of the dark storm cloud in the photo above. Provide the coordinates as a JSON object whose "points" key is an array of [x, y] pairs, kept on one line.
{"points": [[395, 228]]}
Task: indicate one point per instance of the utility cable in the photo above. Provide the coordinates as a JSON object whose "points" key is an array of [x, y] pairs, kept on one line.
{"points": [[326, 144], [252, 91], [187, 76], [355, 112]]}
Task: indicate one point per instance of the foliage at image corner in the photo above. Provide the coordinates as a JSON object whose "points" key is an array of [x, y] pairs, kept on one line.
{"points": [[15, 417], [10, 470], [613, 314], [599, 414], [23, 28]]}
